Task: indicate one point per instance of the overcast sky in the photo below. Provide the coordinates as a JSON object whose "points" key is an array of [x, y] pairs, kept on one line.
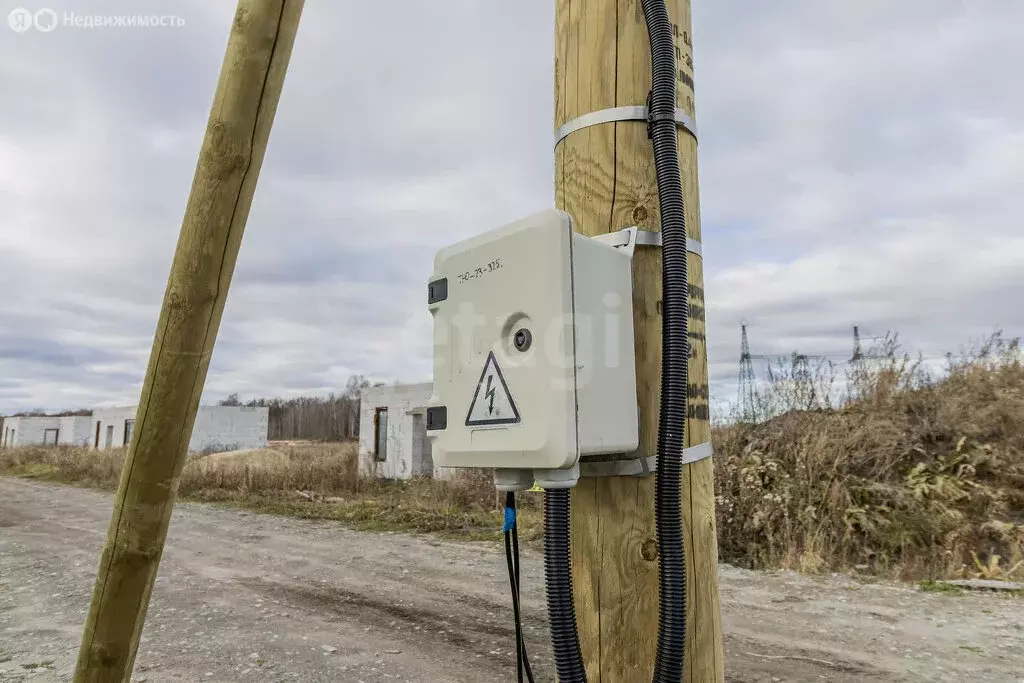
{"points": [[861, 163]]}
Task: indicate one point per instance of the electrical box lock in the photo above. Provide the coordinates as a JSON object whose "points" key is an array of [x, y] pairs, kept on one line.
{"points": [[533, 352]]}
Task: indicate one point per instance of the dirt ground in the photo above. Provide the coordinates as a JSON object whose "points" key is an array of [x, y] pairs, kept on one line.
{"points": [[247, 597]]}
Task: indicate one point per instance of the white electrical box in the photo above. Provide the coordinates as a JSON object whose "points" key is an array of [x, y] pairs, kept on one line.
{"points": [[533, 352]]}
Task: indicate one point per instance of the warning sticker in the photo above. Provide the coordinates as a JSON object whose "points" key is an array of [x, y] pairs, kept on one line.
{"points": [[492, 403]]}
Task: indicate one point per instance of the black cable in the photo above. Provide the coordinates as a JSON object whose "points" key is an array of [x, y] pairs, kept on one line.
{"points": [[515, 553], [511, 531], [565, 639], [661, 127], [515, 606]]}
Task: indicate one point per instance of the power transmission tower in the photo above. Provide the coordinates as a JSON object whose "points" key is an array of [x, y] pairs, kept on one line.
{"points": [[858, 351], [801, 367], [806, 383], [747, 399]]}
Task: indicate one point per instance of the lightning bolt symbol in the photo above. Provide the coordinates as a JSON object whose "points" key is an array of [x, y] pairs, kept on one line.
{"points": [[489, 394]]}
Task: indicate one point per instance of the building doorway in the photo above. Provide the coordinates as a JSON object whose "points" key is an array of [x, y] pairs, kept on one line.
{"points": [[380, 434]]}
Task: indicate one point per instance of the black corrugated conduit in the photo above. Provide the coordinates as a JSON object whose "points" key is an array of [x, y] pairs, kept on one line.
{"points": [[565, 640], [668, 667]]}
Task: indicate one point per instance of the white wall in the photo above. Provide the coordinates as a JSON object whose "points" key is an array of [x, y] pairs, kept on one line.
{"points": [[112, 421], [217, 428], [78, 429], [230, 428], [403, 402], [29, 431]]}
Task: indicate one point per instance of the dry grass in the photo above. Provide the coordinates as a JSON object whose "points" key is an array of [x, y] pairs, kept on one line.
{"points": [[268, 480], [911, 476]]}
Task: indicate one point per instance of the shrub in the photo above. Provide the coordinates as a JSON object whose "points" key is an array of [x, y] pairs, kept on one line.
{"points": [[910, 476]]}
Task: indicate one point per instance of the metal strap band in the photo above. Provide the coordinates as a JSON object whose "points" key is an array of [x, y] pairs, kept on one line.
{"points": [[619, 114], [640, 467], [698, 452], [634, 236]]}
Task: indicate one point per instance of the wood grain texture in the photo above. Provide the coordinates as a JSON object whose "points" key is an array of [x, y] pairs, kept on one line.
{"points": [[248, 90], [604, 177]]}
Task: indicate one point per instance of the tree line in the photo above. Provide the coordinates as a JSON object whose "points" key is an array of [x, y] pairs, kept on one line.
{"points": [[330, 418], [42, 413], [334, 417]]}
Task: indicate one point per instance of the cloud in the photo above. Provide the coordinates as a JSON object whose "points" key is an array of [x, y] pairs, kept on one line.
{"points": [[859, 165]]}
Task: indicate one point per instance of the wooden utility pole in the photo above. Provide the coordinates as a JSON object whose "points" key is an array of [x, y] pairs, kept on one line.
{"points": [[251, 79], [604, 177]]}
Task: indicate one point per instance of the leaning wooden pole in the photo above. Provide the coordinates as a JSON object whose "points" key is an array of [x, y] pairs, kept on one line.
{"points": [[604, 177], [251, 79]]}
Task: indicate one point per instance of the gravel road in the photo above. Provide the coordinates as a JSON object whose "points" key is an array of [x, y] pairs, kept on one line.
{"points": [[248, 597]]}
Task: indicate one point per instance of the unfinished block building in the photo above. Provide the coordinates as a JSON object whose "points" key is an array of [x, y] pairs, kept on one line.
{"points": [[217, 428]]}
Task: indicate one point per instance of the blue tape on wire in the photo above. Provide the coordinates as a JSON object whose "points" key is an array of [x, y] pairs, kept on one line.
{"points": [[510, 519]]}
